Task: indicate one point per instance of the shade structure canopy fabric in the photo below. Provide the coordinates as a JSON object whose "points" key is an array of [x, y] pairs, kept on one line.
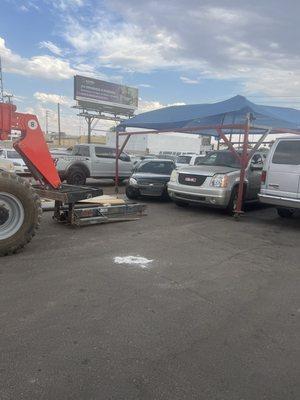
{"points": [[229, 112]]}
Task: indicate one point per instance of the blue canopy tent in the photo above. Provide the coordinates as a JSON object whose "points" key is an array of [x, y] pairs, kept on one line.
{"points": [[217, 119], [231, 111]]}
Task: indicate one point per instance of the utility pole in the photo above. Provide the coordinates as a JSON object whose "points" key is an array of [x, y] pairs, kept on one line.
{"points": [[58, 121], [1, 83]]}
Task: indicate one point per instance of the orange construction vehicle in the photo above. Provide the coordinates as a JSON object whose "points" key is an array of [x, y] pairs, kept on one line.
{"points": [[20, 206]]}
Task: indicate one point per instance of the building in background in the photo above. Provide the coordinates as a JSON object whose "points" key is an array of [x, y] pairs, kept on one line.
{"points": [[162, 143], [69, 141]]}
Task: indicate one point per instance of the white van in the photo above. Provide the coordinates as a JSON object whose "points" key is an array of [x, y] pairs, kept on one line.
{"points": [[281, 176]]}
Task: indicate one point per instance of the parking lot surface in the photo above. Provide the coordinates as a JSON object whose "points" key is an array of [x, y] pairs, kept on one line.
{"points": [[215, 315]]}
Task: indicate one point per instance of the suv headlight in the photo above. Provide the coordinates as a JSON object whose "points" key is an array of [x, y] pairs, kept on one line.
{"points": [[132, 181], [173, 176], [220, 181]]}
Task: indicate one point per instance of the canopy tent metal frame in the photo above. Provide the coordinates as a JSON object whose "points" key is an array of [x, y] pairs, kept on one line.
{"points": [[220, 132]]}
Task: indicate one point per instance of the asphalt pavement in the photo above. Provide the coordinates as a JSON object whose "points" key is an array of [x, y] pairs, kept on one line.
{"points": [[212, 312]]}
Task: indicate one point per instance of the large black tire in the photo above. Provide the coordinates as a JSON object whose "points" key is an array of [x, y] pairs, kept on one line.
{"points": [[76, 176], [132, 193], [20, 213], [285, 212], [232, 205]]}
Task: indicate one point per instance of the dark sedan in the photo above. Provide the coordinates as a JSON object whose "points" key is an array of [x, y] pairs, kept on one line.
{"points": [[150, 178]]}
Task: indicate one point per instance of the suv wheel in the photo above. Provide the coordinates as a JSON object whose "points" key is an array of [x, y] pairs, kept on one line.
{"points": [[232, 205], [131, 193], [285, 212], [76, 176]]}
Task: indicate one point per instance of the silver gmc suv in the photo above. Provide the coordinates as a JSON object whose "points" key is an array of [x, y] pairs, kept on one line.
{"points": [[214, 181]]}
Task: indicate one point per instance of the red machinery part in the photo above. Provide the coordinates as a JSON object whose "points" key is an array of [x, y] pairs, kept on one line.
{"points": [[31, 146]]}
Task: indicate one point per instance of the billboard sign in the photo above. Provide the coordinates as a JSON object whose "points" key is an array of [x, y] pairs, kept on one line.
{"points": [[106, 96]]}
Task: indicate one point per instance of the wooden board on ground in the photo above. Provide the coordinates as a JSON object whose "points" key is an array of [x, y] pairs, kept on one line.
{"points": [[104, 200]]}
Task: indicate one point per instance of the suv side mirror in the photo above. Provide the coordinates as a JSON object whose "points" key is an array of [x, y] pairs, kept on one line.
{"points": [[124, 157]]}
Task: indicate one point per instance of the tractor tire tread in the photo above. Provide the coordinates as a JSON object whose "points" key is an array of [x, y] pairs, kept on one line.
{"points": [[13, 181]]}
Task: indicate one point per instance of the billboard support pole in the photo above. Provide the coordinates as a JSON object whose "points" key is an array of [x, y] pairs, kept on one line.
{"points": [[89, 119]]}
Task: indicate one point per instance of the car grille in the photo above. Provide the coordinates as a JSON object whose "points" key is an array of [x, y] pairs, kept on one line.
{"points": [[189, 197], [149, 182], [191, 180]]}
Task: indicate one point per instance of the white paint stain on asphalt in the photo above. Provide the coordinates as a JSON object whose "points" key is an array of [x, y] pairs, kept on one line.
{"points": [[137, 261]]}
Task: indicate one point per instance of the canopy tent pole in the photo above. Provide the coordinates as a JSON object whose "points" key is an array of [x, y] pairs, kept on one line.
{"points": [[228, 143], [244, 164], [124, 143], [118, 154], [259, 142]]}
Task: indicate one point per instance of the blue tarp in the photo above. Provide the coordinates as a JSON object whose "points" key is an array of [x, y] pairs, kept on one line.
{"points": [[231, 111]]}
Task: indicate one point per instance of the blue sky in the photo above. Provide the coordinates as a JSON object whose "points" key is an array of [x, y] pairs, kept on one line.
{"points": [[173, 51]]}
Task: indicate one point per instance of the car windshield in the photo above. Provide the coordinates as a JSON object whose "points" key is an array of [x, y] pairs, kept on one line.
{"points": [[154, 167], [13, 154], [183, 159], [220, 159]]}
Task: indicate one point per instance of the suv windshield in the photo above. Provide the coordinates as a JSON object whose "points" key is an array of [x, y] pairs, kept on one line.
{"points": [[184, 159], [154, 167], [220, 159]]}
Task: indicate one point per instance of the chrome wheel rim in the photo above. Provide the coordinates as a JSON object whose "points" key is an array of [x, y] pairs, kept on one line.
{"points": [[11, 215]]}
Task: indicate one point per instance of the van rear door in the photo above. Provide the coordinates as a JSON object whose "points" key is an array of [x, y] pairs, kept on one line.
{"points": [[283, 174]]}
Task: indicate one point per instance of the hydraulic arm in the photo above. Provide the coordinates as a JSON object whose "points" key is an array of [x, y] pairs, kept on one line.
{"points": [[31, 146]]}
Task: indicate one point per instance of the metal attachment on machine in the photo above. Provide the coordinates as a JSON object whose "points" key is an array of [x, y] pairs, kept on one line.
{"points": [[68, 209]]}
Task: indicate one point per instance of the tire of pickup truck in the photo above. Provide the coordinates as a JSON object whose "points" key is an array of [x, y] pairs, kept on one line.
{"points": [[20, 213], [285, 212], [76, 176]]}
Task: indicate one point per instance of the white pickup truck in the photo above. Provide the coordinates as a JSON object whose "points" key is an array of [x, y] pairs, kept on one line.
{"points": [[91, 161]]}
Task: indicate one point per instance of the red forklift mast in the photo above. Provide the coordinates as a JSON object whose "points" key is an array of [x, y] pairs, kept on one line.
{"points": [[31, 146]]}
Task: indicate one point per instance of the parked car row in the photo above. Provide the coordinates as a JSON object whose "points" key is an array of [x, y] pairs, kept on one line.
{"points": [[273, 178], [96, 161]]}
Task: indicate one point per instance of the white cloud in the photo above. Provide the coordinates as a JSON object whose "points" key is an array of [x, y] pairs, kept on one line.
{"points": [[190, 81], [52, 98], [28, 5], [44, 66], [146, 105], [145, 85], [241, 42], [123, 46], [47, 67], [67, 4], [51, 47]]}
